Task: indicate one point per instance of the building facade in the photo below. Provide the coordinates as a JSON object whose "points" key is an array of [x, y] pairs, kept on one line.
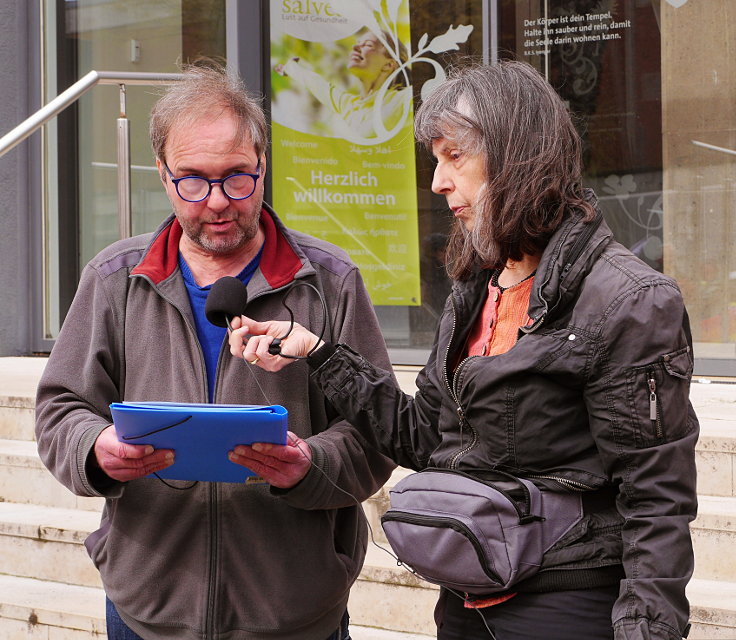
{"points": [[651, 83]]}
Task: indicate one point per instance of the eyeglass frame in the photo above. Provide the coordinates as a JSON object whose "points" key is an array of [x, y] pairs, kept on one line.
{"points": [[220, 181]]}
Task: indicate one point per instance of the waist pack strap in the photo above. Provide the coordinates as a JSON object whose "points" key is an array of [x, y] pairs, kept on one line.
{"points": [[509, 485]]}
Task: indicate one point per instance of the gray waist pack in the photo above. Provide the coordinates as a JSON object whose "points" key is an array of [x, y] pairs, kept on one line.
{"points": [[478, 531]]}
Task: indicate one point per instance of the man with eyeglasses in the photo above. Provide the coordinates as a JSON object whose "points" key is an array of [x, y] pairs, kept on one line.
{"points": [[212, 560]]}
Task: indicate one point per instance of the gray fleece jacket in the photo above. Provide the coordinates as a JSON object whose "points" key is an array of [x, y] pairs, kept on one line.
{"points": [[218, 561]]}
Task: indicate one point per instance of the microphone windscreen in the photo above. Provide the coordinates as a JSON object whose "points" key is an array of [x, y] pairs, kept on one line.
{"points": [[227, 298]]}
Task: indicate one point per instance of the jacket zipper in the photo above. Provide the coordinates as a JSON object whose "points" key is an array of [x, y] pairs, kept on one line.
{"points": [[473, 441], [654, 415], [461, 413], [442, 522], [212, 587], [565, 482], [575, 253]]}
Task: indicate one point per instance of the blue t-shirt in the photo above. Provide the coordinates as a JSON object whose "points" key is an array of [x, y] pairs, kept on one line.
{"points": [[210, 336]]}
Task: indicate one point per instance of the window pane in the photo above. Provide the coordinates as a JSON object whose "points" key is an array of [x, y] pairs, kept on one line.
{"points": [[108, 35], [658, 120]]}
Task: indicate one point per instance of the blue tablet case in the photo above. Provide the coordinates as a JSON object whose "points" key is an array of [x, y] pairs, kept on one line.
{"points": [[201, 435]]}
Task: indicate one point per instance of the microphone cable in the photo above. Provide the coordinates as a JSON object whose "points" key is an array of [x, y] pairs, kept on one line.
{"points": [[275, 347], [399, 563]]}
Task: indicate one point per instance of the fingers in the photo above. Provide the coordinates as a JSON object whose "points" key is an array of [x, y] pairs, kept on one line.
{"points": [[247, 335], [283, 466], [251, 340], [125, 462]]}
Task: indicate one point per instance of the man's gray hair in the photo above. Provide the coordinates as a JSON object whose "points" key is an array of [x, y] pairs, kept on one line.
{"points": [[207, 90]]}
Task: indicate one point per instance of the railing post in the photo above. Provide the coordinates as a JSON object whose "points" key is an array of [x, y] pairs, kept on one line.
{"points": [[125, 219]]}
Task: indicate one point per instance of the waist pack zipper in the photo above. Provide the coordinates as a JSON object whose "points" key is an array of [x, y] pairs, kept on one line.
{"points": [[442, 522]]}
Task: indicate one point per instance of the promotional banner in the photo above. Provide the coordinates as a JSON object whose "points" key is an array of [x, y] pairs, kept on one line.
{"points": [[342, 139], [343, 149]]}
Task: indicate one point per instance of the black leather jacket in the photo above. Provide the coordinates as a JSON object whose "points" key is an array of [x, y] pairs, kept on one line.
{"points": [[593, 397]]}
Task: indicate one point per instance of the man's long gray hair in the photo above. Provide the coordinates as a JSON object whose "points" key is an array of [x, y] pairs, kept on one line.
{"points": [[511, 116], [207, 90]]}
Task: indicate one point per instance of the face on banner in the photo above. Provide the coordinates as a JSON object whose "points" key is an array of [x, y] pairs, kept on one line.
{"points": [[343, 147]]}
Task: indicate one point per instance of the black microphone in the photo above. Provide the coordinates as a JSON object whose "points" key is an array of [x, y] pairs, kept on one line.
{"points": [[227, 299], [228, 296]]}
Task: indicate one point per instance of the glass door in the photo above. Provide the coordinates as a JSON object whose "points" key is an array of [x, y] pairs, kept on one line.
{"points": [[81, 152]]}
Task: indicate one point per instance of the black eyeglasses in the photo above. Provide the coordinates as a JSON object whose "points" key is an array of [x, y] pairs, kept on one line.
{"points": [[238, 186]]}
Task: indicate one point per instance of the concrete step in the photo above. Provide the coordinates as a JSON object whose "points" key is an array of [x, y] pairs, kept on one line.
{"points": [[24, 479], [712, 609], [38, 609], [17, 418], [47, 543], [715, 456], [31, 534], [18, 380], [379, 502], [714, 538], [35, 609], [390, 597]]}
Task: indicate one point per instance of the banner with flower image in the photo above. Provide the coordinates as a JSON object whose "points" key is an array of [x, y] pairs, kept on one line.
{"points": [[343, 164]]}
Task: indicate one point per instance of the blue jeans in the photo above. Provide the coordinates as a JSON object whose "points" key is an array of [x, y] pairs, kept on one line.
{"points": [[118, 630]]}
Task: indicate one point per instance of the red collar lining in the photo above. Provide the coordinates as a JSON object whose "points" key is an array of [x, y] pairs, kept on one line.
{"points": [[279, 261]]}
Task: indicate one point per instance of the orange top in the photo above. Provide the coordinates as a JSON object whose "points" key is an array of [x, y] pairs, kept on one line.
{"points": [[496, 332], [504, 312]]}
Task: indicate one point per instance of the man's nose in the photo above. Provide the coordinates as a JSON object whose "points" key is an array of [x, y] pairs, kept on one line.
{"points": [[218, 201]]}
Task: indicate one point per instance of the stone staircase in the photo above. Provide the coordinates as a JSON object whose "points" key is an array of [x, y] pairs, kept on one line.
{"points": [[49, 589]]}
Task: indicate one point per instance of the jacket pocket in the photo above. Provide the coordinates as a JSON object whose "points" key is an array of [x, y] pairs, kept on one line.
{"points": [[658, 398]]}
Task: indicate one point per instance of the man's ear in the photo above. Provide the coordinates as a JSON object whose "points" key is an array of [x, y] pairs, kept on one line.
{"points": [[161, 172]]}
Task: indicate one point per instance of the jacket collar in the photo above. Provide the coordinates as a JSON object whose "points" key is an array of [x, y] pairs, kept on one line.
{"points": [[570, 254], [279, 260]]}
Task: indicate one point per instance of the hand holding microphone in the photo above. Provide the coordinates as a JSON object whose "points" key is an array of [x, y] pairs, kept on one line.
{"points": [[253, 340], [259, 343]]}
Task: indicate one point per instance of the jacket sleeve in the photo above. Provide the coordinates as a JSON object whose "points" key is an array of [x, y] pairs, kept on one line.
{"points": [[363, 391], [646, 430], [77, 386], [341, 455]]}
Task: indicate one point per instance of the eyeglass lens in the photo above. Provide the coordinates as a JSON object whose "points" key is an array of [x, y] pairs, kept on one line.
{"points": [[238, 187]]}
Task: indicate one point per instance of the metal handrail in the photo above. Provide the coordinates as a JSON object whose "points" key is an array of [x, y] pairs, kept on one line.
{"points": [[73, 93], [69, 97]]}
